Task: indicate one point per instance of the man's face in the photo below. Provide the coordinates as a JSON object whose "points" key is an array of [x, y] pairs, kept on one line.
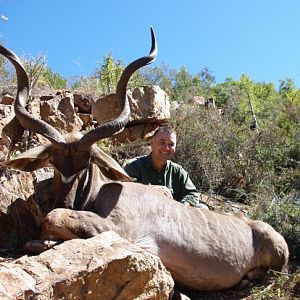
{"points": [[163, 146]]}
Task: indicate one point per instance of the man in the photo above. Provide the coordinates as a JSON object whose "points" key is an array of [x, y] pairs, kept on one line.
{"points": [[158, 169]]}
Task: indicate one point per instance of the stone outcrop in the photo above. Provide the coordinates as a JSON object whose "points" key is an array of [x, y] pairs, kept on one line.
{"points": [[150, 106], [20, 209], [59, 111], [104, 267]]}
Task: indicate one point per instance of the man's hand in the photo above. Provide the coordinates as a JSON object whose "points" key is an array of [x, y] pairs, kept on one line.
{"points": [[199, 205]]}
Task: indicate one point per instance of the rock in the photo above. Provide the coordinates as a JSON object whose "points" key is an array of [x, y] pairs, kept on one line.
{"points": [[20, 224], [20, 219], [135, 132], [12, 134], [148, 104], [87, 120], [34, 105], [14, 185], [105, 109], [7, 99], [59, 111], [103, 267], [83, 102], [6, 117]]}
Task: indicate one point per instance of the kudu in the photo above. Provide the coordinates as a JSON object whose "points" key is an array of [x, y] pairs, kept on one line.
{"points": [[75, 158], [204, 250]]}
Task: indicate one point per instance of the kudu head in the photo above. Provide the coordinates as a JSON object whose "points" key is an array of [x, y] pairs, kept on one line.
{"points": [[73, 154]]}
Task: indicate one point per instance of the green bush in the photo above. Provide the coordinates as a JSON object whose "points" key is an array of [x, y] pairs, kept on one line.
{"points": [[229, 159], [283, 286]]}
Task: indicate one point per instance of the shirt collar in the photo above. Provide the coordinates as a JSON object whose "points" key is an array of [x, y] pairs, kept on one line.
{"points": [[149, 163]]}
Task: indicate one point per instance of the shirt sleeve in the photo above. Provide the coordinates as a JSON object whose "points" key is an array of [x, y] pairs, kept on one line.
{"points": [[188, 192]]}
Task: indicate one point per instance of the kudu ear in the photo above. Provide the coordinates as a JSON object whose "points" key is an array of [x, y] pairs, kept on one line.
{"points": [[30, 160], [109, 167]]}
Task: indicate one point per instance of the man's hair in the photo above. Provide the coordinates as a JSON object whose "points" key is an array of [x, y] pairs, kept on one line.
{"points": [[164, 128]]}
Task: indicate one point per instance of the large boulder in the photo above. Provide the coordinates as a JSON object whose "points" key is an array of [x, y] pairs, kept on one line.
{"points": [[14, 185], [21, 211], [149, 105], [135, 132], [59, 111], [103, 267], [66, 112]]}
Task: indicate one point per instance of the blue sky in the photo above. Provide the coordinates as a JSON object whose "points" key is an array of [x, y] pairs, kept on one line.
{"points": [[260, 38]]}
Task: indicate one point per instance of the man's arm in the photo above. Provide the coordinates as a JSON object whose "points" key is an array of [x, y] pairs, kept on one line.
{"points": [[188, 192]]}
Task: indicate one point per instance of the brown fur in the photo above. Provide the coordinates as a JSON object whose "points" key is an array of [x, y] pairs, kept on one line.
{"points": [[203, 250]]}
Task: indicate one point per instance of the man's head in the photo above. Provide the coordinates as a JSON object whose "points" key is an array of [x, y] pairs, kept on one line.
{"points": [[163, 145]]}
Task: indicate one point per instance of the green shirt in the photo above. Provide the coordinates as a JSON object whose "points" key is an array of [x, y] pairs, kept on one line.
{"points": [[173, 176]]}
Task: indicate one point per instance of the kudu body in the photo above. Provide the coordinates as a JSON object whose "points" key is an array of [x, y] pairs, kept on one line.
{"points": [[203, 250]]}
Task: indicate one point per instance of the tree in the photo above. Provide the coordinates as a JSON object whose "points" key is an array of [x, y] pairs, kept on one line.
{"points": [[207, 80], [109, 73], [52, 79], [244, 97], [186, 85], [34, 67], [287, 87], [162, 76], [5, 74]]}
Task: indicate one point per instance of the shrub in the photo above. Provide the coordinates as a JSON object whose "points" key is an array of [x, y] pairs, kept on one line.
{"points": [[283, 213], [283, 286], [229, 159]]}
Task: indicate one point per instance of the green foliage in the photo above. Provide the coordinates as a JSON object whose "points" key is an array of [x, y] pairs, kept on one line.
{"points": [[40, 74], [238, 96], [283, 287], [186, 86], [52, 79], [228, 158], [180, 85], [109, 73], [287, 89], [162, 76]]}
